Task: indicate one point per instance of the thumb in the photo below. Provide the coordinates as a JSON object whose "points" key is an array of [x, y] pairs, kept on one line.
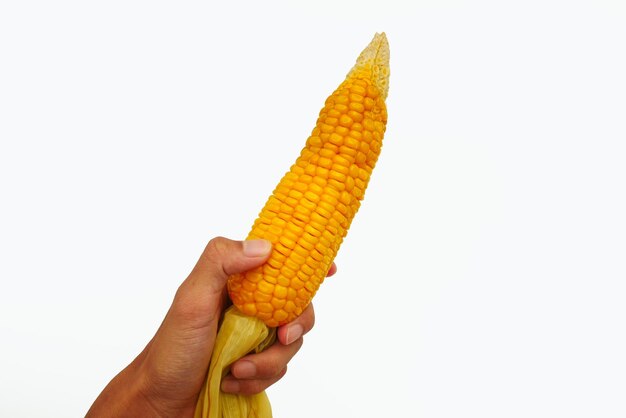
{"points": [[202, 294], [223, 257]]}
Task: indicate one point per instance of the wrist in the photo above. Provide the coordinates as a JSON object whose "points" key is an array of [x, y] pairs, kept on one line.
{"points": [[125, 396]]}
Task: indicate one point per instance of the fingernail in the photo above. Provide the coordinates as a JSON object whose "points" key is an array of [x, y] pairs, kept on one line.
{"points": [[244, 369], [256, 247], [230, 386], [293, 333]]}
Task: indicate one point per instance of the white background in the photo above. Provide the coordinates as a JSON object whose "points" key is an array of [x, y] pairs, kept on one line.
{"points": [[483, 277]]}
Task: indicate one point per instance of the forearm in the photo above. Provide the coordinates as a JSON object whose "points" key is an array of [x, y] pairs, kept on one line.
{"points": [[123, 397]]}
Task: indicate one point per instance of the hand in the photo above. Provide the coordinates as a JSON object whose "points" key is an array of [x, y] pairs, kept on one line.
{"points": [[166, 378], [256, 372]]}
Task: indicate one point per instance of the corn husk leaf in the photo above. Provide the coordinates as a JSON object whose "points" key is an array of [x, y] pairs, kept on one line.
{"points": [[238, 336]]}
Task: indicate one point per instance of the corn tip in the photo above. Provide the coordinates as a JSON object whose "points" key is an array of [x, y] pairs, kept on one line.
{"points": [[374, 59]]}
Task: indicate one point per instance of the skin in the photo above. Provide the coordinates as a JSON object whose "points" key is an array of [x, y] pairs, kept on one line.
{"points": [[165, 379]]}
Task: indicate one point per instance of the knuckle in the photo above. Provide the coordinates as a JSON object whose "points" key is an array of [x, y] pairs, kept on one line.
{"points": [[253, 387], [185, 306], [297, 345], [215, 247], [273, 361], [190, 307], [183, 303], [216, 251], [272, 367], [307, 319]]}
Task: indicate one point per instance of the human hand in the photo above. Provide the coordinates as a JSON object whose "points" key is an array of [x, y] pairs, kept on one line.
{"points": [[166, 378], [256, 372]]}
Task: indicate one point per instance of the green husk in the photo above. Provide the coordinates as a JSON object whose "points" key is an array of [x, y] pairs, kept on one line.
{"points": [[237, 336]]}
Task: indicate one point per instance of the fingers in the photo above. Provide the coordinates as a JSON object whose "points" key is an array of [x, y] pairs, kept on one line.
{"points": [[267, 364], [250, 387], [290, 332], [256, 372]]}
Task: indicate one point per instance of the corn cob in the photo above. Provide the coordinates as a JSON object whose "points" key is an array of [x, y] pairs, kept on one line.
{"points": [[306, 219], [310, 211]]}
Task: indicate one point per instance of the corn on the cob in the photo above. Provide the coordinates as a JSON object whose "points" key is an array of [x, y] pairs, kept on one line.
{"points": [[305, 219], [311, 209]]}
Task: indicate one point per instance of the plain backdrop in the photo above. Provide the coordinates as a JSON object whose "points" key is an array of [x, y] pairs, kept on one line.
{"points": [[484, 275]]}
